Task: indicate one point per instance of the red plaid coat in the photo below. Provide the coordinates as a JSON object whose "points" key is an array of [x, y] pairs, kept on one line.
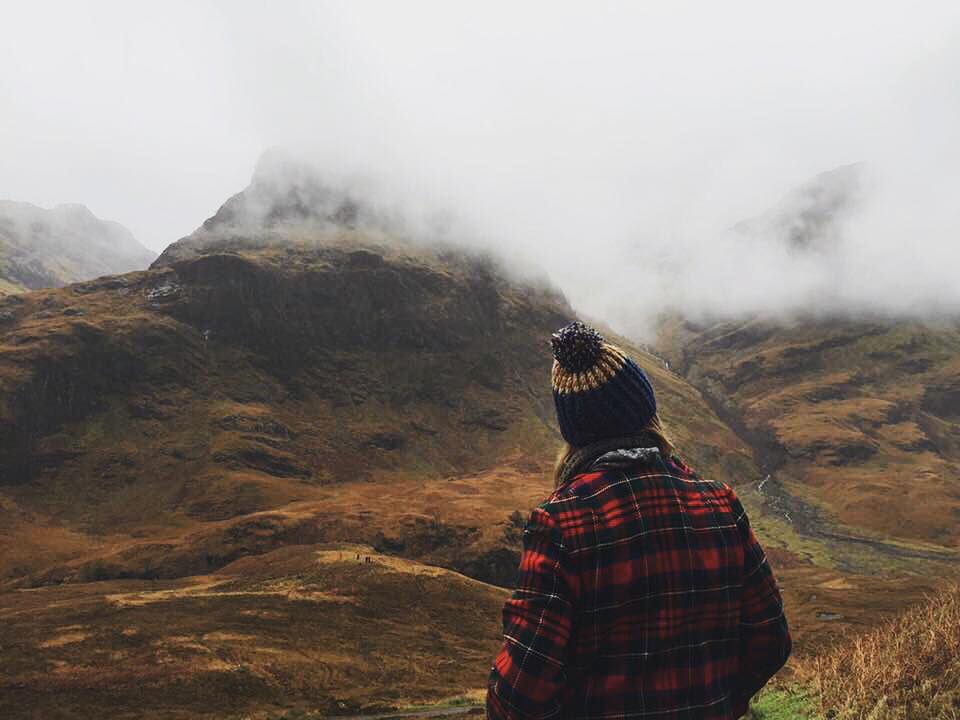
{"points": [[641, 593]]}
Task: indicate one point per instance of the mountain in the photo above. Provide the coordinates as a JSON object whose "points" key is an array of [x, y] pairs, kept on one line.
{"points": [[854, 428], [811, 217], [42, 248], [195, 396], [288, 201], [275, 462], [854, 418], [857, 423]]}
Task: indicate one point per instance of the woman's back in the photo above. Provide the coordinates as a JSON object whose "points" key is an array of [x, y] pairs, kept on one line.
{"points": [[642, 593]]}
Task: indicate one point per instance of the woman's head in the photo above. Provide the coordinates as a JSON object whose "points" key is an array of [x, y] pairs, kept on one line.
{"points": [[598, 391]]}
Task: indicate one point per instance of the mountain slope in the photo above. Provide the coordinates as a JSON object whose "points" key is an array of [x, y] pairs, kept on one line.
{"points": [[857, 422], [853, 418], [190, 397], [50, 248], [331, 629]]}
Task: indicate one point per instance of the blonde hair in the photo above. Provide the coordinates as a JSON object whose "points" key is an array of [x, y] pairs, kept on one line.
{"points": [[654, 428]]}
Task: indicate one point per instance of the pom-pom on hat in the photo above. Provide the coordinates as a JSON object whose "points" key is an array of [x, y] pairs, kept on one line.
{"points": [[599, 392]]}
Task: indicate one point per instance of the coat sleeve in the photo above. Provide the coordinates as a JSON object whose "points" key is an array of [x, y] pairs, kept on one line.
{"points": [[528, 677], [765, 642]]}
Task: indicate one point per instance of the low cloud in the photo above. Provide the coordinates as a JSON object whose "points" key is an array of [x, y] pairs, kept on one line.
{"points": [[614, 146]]}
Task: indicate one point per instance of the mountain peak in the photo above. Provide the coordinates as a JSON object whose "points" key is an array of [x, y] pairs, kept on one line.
{"points": [[811, 216], [74, 210], [291, 201], [294, 204], [287, 190]]}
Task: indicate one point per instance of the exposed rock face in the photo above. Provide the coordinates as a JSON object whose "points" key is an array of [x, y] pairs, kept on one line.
{"points": [[811, 217], [51, 248]]}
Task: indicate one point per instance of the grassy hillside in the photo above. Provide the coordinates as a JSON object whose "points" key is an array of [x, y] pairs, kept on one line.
{"points": [[181, 399], [856, 422], [331, 629], [165, 423]]}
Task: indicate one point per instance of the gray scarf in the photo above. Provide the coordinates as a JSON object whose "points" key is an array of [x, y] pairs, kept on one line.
{"points": [[610, 451]]}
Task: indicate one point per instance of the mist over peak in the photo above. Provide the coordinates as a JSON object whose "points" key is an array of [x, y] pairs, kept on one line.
{"points": [[846, 243], [821, 249], [286, 190], [291, 199], [811, 216], [613, 154], [302, 202]]}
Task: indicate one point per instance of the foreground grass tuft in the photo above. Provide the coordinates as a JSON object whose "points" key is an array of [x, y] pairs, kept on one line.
{"points": [[907, 668]]}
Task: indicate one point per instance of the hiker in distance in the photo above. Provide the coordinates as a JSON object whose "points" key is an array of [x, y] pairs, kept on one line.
{"points": [[642, 591]]}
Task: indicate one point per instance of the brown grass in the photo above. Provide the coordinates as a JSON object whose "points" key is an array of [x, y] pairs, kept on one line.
{"points": [[857, 409], [907, 667], [306, 628]]}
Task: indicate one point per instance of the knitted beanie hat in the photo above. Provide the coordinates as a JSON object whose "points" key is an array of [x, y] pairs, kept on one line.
{"points": [[599, 392]]}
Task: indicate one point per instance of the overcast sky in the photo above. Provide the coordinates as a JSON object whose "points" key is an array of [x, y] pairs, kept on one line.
{"points": [[582, 136]]}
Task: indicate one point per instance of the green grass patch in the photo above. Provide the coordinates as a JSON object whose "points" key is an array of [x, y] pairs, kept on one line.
{"points": [[774, 530], [780, 704], [473, 700]]}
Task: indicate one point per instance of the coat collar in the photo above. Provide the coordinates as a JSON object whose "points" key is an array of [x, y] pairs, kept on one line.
{"points": [[619, 449], [625, 456]]}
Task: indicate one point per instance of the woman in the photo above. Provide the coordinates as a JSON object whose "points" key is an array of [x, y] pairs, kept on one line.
{"points": [[642, 591]]}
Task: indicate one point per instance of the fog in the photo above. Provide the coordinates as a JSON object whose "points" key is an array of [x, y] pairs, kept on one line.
{"points": [[613, 145]]}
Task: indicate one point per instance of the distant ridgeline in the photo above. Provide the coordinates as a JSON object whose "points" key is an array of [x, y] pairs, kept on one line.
{"points": [[42, 248]]}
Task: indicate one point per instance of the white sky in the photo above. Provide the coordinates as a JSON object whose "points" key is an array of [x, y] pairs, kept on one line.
{"points": [[580, 136]]}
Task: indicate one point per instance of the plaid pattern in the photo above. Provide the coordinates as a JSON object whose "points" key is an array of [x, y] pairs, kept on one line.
{"points": [[641, 593]]}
